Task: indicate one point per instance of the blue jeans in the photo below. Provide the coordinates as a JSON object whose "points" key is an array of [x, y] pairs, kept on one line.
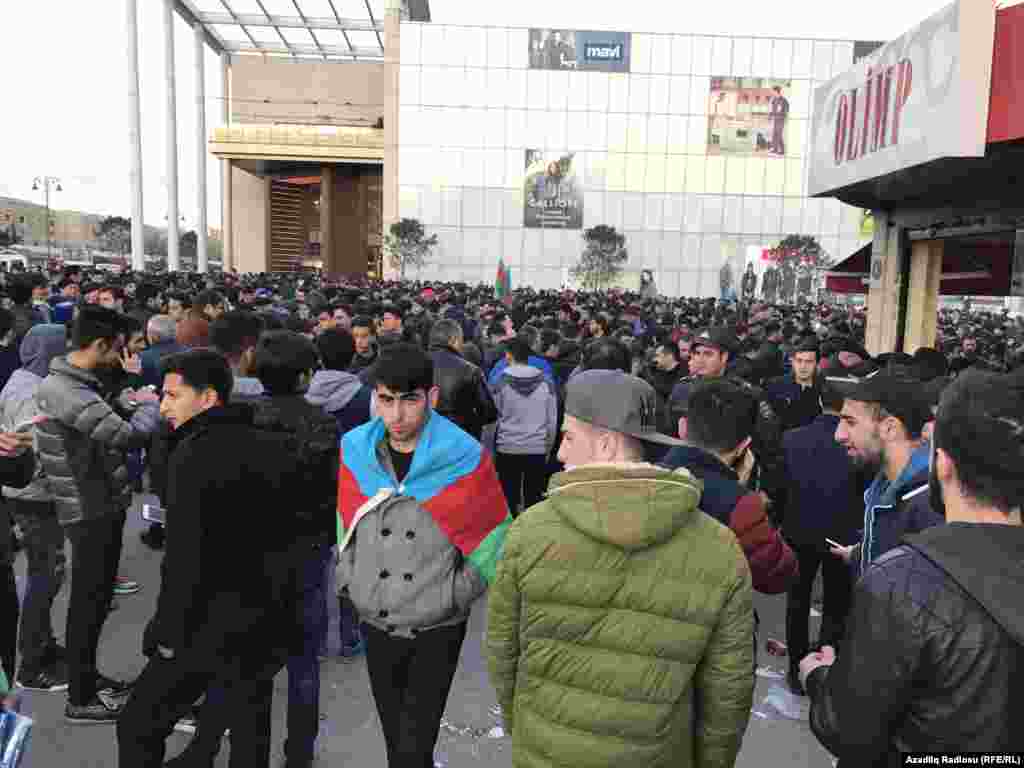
{"points": [[304, 668], [351, 635]]}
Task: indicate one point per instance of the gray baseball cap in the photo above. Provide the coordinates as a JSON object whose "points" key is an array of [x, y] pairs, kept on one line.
{"points": [[616, 401]]}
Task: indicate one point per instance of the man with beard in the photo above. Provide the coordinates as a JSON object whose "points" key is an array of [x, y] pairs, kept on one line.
{"points": [[881, 426], [933, 660], [666, 371], [81, 445]]}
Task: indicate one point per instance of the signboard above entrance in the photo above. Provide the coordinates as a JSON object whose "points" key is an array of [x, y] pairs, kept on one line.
{"points": [[579, 50], [922, 97]]}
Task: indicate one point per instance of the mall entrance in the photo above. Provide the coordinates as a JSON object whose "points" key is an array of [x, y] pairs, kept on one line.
{"points": [[322, 216]]}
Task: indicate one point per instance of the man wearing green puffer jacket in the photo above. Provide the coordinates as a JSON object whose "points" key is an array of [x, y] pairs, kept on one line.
{"points": [[620, 618]]}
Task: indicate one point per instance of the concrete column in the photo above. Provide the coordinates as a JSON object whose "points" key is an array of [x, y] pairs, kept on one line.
{"points": [[327, 233], [392, 55], [202, 231], [923, 295], [135, 139], [173, 261], [882, 332], [227, 197]]}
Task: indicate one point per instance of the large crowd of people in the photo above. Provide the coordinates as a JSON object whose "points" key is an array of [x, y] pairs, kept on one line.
{"points": [[620, 472]]}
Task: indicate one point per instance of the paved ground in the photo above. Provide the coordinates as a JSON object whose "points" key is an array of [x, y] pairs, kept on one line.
{"points": [[350, 735]]}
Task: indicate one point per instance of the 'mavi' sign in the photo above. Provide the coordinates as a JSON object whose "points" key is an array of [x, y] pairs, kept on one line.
{"points": [[922, 97], [603, 52]]}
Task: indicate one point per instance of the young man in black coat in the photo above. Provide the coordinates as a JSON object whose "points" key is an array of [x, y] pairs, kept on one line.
{"points": [[226, 613], [285, 363], [933, 658]]}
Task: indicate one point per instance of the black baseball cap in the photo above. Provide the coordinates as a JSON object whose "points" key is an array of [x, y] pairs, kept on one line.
{"points": [[618, 402], [720, 338], [899, 392]]}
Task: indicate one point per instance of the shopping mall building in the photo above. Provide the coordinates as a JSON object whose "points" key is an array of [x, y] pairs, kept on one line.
{"points": [[508, 142]]}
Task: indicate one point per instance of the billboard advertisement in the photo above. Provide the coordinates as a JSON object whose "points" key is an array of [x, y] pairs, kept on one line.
{"points": [[748, 116], [553, 194], [579, 50]]}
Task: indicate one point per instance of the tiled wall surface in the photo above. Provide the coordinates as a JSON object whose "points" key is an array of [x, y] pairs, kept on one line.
{"points": [[470, 107]]}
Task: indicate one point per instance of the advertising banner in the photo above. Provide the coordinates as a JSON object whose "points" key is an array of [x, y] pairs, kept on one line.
{"points": [[922, 97], [748, 116], [553, 195], [579, 50]]}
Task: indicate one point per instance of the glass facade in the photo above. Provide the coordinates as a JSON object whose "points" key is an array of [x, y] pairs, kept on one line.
{"points": [[690, 191]]}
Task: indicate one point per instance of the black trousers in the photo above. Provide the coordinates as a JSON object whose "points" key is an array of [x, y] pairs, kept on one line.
{"points": [[9, 607], [96, 555], [44, 551], [166, 691], [838, 591], [410, 680], [523, 477]]}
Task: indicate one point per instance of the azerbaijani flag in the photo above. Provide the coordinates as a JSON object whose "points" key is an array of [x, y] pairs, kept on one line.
{"points": [[503, 282], [452, 477]]}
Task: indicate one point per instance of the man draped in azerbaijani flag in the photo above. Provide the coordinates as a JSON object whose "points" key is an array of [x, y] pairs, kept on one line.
{"points": [[421, 524]]}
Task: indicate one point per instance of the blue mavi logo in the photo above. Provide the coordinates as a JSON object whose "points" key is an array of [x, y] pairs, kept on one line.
{"points": [[603, 52]]}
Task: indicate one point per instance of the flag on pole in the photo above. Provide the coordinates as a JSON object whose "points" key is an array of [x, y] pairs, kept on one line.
{"points": [[502, 283]]}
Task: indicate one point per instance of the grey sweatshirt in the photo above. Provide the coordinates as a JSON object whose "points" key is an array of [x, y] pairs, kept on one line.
{"points": [[528, 408], [333, 390]]}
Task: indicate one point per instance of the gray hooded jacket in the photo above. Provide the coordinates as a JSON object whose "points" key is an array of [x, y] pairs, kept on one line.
{"points": [[333, 390], [41, 344], [528, 406]]}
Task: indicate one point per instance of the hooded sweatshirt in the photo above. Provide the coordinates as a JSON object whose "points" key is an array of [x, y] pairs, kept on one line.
{"points": [[41, 344], [342, 395], [527, 402], [894, 509]]}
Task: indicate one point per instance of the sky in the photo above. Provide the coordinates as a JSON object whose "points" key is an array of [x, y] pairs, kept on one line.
{"points": [[66, 108]]}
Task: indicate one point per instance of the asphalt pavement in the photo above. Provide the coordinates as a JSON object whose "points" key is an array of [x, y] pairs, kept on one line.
{"points": [[471, 734]]}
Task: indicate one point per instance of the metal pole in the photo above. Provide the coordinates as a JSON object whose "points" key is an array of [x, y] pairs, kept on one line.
{"points": [[135, 141], [49, 241], [201, 228], [172, 140], [227, 194]]}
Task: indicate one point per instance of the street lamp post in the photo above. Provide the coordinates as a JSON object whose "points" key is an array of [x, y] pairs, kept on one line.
{"points": [[46, 181]]}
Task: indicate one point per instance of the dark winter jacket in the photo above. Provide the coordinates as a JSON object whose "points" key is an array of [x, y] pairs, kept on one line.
{"points": [[226, 477], [795, 405], [151, 358], [360, 363], [465, 398], [894, 510], [665, 381], [83, 442], [343, 396], [313, 439], [773, 565], [933, 659], [825, 492], [770, 473]]}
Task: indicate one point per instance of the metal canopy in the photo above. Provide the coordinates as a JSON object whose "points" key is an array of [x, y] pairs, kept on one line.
{"points": [[299, 29]]}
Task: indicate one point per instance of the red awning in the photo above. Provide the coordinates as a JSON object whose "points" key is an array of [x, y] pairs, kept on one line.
{"points": [[971, 266]]}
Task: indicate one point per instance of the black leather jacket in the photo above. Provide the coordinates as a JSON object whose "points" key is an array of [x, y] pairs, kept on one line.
{"points": [[933, 659], [464, 398]]}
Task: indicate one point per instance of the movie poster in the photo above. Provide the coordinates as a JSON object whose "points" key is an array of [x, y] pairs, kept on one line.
{"points": [[552, 193], [749, 116], [567, 49]]}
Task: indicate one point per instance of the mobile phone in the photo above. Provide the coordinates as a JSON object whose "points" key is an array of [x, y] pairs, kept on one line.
{"points": [[153, 513], [833, 543]]}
